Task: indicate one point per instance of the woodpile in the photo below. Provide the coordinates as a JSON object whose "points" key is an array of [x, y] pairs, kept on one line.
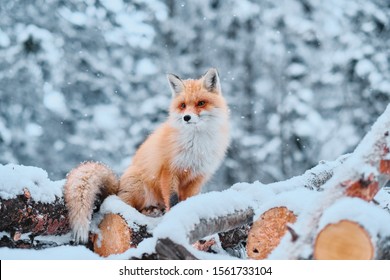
{"points": [[330, 212]]}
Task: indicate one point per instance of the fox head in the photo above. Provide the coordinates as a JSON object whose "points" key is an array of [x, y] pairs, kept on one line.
{"points": [[197, 102]]}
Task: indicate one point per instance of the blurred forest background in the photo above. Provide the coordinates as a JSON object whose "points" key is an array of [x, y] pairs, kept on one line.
{"points": [[85, 80]]}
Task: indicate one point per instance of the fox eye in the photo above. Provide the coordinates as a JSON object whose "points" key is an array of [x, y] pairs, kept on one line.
{"points": [[201, 103], [183, 105]]}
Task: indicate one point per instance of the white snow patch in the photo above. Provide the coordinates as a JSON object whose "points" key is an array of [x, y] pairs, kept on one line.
{"points": [[185, 216], [54, 100], [76, 18], [106, 117], [15, 178], [33, 130], [57, 253], [364, 67], [146, 67], [114, 204], [114, 6], [296, 70], [5, 133], [5, 41], [244, 9]]}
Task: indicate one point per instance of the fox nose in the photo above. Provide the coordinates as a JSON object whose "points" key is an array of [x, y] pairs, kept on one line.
{"points": [[187, 118]]}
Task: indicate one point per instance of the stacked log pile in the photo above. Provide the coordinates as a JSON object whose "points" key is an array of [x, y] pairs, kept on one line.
{"points": [[330, 212]]}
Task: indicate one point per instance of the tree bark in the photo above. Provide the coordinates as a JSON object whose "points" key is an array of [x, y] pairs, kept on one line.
{"points": [[24, 215], [220, 224]]}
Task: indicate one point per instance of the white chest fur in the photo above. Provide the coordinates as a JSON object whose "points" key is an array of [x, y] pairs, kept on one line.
{"points": [[201, 148], [199, 151]]}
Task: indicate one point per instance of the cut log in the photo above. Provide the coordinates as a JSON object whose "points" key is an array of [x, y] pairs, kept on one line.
{"points": [[345, 240], [114, 236], [353, 229], [267, 231]]}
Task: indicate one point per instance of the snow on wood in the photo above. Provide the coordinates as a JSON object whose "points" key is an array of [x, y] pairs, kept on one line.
{"points": [[30, 203], [352, 229], [214, 212], [16, 178], [359, 176], [330, 199]]}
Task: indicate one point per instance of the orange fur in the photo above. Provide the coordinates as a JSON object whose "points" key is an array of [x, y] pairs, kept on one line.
{"points": [[175, 160]]}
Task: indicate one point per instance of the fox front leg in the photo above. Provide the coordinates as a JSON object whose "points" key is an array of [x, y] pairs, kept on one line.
{"points": [[169, 189]]}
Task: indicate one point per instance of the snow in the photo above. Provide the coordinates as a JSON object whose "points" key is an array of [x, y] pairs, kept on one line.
{"points": [[54, 100], [244, 9], [365, 67], [49, 44], [114, 6], [4, 39], [319, 73], [358, 164], [33, 130], [374, 219], [57, 253], [146, 67], [184, 217], [75, 18], [296, 70], [5, 134], [114, 204], [105, 117], [15, 178]]}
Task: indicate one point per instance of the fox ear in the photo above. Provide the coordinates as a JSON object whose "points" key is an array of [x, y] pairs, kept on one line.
{"points": [[177, 85], [211, 81]]}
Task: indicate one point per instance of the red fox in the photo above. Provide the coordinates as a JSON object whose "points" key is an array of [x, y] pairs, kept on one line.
{"points": [[171, 165]]}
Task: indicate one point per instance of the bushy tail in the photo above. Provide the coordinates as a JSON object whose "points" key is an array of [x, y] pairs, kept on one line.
{"points": [[83, 185]]}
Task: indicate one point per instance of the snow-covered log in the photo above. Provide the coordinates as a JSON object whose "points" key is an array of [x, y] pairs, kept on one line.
{"points": [[190, 220], [353, 229], [288, 213], [280, 210], [30, 203], [362, 175]]}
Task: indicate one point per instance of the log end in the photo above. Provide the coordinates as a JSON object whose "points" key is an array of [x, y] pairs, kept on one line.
{"points": [[345, 240], [115, 236], [267, 231]]}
